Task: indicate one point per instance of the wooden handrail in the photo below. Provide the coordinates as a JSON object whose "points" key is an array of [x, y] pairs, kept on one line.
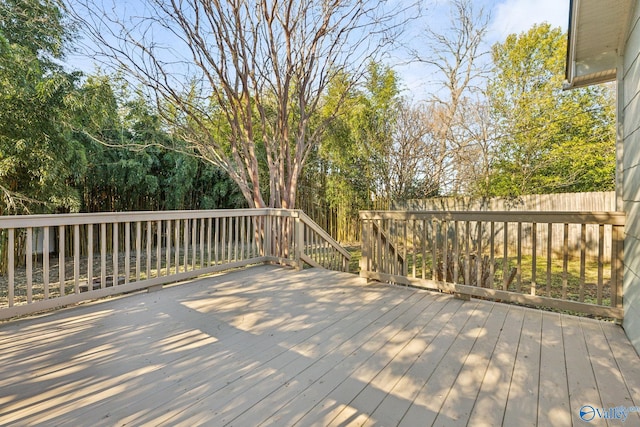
{"points": [[25, 221], [569, 217]]}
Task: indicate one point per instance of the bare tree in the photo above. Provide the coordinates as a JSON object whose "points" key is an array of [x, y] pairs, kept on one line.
{"points": [[456, 54], [476, 160], [411, 162], [241, 81]]}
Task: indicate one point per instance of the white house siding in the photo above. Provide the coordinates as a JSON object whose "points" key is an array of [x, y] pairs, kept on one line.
{"points": [[629, 93]]}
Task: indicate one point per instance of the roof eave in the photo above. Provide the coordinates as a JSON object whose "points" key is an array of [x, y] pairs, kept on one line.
{"points": [[589, 61]]}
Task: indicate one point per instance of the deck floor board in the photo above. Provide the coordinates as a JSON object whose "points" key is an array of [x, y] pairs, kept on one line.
{"points": [[271, 346]]}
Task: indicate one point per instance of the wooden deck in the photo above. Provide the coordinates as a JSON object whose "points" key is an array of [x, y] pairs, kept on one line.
{"points": [[271, 346]]}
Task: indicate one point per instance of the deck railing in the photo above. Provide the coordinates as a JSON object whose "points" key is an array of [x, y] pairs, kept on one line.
{"points": [[563, 260], [56, 260]]}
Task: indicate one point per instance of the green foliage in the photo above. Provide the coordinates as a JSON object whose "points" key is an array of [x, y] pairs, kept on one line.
{"points": [[355, 150], [131, 166], [38, 26], [37, 159], [550, 140], [66, 146]]}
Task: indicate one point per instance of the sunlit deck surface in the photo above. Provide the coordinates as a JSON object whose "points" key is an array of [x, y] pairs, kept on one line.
{"points": [[271, 346]]}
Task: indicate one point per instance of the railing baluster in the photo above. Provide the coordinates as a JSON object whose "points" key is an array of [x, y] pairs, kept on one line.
{"points": [[455, 254], [148, 248], [127, 251], [413, 246], [176, 240], [492, 246], [61, 260], [235, 239], [103, 255], [386, 256], [158, 248], [268, 241], [249, 237], [317, 251], [600, 262], [549, 253], [404, 249], [583, 260], [327, 255], [479, 262], [519, 262], [76, 259], [379, 264], [323, 253], [202, 263], [209, 232], [257, 236], [434, 250], [89, 257], [168, 243], [534, 255], [216, 240], [565, 260], [242, 238], [223, 240], [45, 261], [467, 253], [445, 250], [138, 250], [29, 263], [11, 250], [185, 243], [114, 253], [505, 257], [424, 248], [230, 243], [194, 244]]}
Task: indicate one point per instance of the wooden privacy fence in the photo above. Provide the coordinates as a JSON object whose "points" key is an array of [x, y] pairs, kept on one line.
{"points": [[469, 253], [56, 260]]}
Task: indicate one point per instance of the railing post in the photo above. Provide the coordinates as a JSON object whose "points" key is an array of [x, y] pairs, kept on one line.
{"points": [[365, 238], [617, 261], [298, 240]]}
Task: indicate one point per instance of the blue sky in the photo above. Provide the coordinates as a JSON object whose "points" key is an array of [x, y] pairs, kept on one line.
{"points": [[515, 16], [507, 17]]}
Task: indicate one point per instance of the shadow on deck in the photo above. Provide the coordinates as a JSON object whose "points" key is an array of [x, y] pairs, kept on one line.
{"points": [[270, 346]]}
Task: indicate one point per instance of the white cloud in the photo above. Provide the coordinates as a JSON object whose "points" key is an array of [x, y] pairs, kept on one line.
{"points": [[517, 16]]}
